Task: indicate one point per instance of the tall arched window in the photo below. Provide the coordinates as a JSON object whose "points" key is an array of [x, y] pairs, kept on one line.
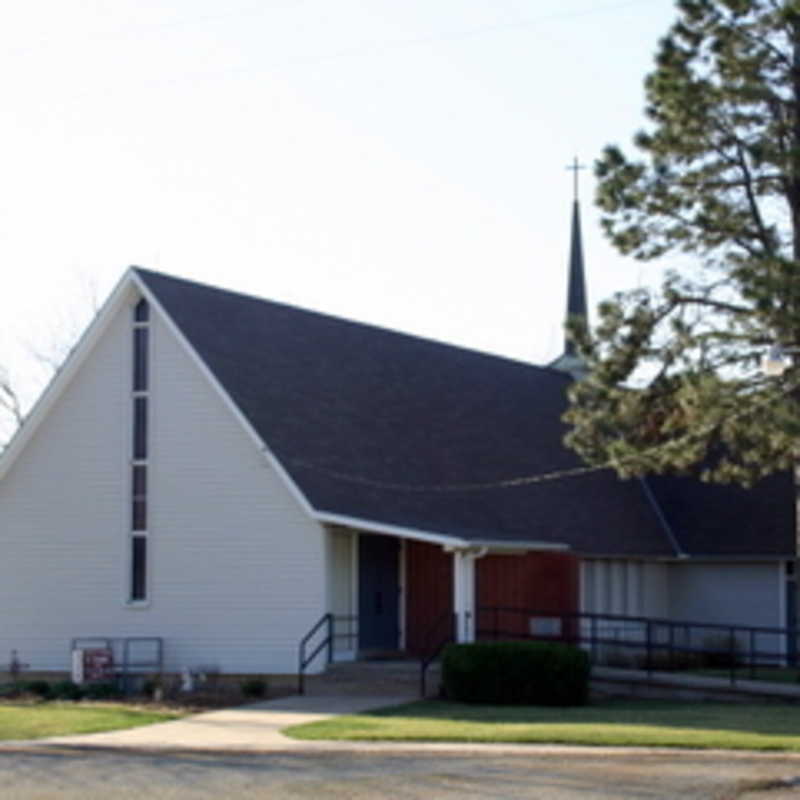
{"points": [[138, 583]]}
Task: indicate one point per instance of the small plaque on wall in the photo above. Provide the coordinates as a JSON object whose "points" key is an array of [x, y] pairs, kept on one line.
{"points": [[545, 626], [94, 665]]}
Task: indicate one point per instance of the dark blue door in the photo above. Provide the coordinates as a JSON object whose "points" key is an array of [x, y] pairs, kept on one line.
{"points": [[378, 592]]}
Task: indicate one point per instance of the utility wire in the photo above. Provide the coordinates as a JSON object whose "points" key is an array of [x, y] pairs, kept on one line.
{"points": [[258, 9], [523, 480]]}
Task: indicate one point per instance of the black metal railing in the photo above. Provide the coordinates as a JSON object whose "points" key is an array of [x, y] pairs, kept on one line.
{"points": [[346, 629], [649, 643], [438, 636], [634, 642], [323, 636], [304, 659], [131, 657]]}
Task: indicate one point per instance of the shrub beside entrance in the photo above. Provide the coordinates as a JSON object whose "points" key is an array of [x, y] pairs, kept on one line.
{"points": [[516, 673]]}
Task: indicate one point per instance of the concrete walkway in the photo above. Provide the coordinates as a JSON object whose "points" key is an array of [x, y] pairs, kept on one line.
{"points": [[257, 727], [245, 745], [250, 728]]}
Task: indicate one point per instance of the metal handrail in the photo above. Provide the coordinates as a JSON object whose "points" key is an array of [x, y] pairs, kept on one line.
{"points": [[352, 622], [430, 654], [738, 649], [658, 639], [125, 668], [303, 660]]}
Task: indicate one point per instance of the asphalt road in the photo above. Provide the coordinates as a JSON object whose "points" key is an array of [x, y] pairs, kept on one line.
{"points": [[59, 773]]}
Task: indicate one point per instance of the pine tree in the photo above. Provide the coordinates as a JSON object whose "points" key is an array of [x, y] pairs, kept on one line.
{"points": [[674, 379]]}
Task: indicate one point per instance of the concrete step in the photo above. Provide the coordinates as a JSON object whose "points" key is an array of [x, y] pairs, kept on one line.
{"points": [[374, 678]]}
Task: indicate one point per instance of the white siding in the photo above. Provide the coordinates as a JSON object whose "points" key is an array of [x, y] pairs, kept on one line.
{"points": [[656, 590], [342, 596], [728, 593], [236, 567], [732, 593], [624, 587]]}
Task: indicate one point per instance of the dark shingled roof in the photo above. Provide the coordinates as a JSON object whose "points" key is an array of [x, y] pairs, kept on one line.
{"points": [[380, 426], [725, 520]]}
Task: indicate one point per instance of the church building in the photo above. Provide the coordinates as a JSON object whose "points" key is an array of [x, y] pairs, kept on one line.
{"points": [[221, 471]]}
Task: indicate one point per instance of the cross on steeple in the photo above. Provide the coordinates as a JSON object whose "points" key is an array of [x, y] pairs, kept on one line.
{"points": [[569, 360], [575, 167]]}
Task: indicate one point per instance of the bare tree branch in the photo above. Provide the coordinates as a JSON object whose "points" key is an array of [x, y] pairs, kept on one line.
{"points": [[10, 404]]}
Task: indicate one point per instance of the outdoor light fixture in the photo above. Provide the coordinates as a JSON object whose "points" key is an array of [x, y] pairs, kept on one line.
{"points": [[775, 362]]}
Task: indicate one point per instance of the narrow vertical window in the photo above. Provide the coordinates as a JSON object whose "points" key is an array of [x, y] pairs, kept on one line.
{"points": [[141, 311], [140, 388], [139, 428], [140, 337], [138, 568], [139, 510]]}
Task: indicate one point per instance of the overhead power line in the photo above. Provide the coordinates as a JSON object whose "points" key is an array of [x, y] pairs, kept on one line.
{"points": [[521, 480], [524, 480]]}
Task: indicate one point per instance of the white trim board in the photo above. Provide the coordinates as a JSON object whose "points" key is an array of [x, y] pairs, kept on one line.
{"points": [[249, 430]]}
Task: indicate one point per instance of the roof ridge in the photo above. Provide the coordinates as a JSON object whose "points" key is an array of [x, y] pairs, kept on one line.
{"points": [[355, 398], [145, 273]]}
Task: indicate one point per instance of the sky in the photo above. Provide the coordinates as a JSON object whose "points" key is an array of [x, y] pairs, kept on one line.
{"points": [[399, 162]]}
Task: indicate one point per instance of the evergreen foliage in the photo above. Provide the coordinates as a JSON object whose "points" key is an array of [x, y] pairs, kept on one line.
{"points": [[673, 374], [516, 673]]}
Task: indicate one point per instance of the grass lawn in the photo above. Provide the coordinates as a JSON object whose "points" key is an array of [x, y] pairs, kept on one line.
{"points": [[771, 674], [37, 720], [621, 723]]}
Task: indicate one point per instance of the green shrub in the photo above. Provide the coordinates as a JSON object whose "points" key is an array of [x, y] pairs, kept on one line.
{"points": [[516, 673], [720, 652], [153, 687], [661, 660], [66, 690], [40, 688], [102, 691], [254, 687]]}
